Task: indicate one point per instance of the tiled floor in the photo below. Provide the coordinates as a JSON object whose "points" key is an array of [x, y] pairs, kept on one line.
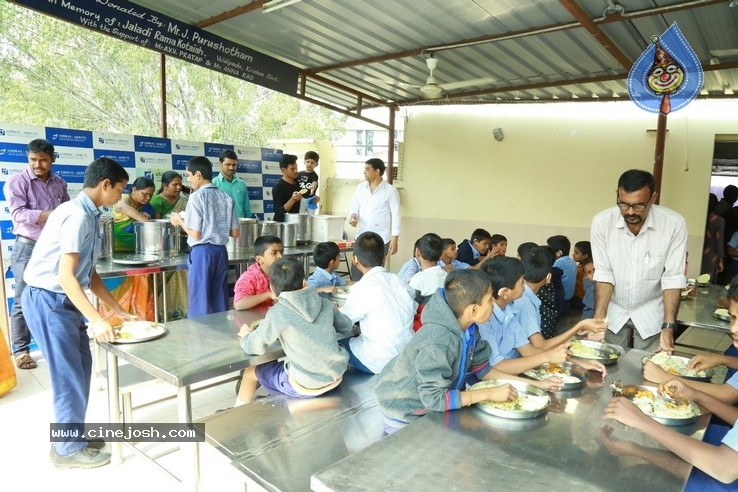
{"points": [[25, 413]]}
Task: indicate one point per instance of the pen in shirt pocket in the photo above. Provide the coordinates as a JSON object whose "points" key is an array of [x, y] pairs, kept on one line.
{"points": [[648, 258]]}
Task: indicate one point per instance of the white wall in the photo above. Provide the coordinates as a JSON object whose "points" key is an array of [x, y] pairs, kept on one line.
{"points": [[557, 166]]}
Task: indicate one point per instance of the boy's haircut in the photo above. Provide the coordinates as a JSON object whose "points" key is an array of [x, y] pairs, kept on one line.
{"points": [[447, 241], [286, 160], [227, 154], [465, 287], [286, 275], [377, 164], [430, 246], [584, 247], [167, 178], [560, 243], [503, 271], [480, 235], [733, 290], [586, 261], [525, 248], [311, 154], [262, 244], [730, 193], [537, 263], [324, 253], [201, 164], [39, 145], [142, 182], [497, 238], [635, 179], [104, 168], [369, 249]]}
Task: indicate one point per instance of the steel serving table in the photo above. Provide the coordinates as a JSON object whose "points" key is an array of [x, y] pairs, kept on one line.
{"points": [[698, 311], [565, 450], [194, 350]]}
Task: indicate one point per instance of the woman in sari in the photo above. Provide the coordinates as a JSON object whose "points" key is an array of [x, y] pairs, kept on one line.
{"points": [[131, 208], [168, 201], [170, 198], [133, 292]]}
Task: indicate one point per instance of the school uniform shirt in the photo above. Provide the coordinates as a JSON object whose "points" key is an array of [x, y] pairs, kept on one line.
{"points": [[384, 308], [639, 267], [408, 270], [467, 253], [529, 312], [569, 277], [379, 211], [429, 281], [502, 335], [324, 278], [458, 265], [71, 228], [212, 212], [731, 438]]}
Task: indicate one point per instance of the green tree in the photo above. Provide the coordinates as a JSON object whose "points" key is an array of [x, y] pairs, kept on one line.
{"points": [[60, 74]]}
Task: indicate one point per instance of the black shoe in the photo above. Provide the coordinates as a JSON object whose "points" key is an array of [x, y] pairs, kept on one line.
{"points": [[95, 443], [84, 458]]}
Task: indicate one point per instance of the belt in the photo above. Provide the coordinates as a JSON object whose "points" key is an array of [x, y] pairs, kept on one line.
{"points": [[25, 240]]}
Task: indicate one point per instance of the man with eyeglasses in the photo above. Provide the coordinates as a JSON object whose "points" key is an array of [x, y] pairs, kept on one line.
{"points": [[639, 251]]}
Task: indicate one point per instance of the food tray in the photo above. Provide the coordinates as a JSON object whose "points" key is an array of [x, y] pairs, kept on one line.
{"points": [[630, 391], [135, 259], [524, 390], [602, 352], [155, 330], [705, 375], [341, 292], [722, 314], [568, 368]]}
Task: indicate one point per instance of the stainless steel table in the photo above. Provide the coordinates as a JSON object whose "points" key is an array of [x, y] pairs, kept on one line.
{"points": [[470, 450], [194, 350], [698, 311], [279, 442]]}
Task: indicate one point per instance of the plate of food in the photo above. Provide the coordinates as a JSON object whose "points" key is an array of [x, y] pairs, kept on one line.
{"points": [[588, 349], [135, 259], [341, 292], [572, 375], [138, 331], [678, 366], [530, 403], [722, 314], [662, 409]]}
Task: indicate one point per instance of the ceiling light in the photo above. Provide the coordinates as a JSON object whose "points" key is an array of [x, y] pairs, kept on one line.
{"points": [[276, 5]]}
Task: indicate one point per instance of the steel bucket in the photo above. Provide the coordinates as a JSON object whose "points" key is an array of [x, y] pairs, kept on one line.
{"points": [[157, 238], [288, 234], [269, 228], [303, 226], [248, 231], [107, 241]]}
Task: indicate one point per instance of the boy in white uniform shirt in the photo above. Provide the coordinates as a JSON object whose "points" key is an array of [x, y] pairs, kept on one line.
{"points": [[381, 304], [432, 276]]}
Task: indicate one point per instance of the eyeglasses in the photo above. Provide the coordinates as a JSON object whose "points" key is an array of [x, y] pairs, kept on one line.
{"points": [[637, 207]]}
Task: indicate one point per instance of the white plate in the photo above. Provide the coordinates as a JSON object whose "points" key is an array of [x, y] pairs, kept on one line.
{"points": [[135, 259], [154, 330]]}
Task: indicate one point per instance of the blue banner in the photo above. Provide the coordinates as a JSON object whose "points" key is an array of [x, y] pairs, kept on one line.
{"points": [[214, 149], [152, 144], [253, 167], [125, 159], [65, 137], [13, 152]]}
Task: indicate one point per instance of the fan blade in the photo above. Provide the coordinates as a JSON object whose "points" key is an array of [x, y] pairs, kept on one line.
{"points": [[393, 83], [450, 86]]}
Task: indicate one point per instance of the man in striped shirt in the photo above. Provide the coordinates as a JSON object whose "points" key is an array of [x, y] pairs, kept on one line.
{"points": [[639, 250]]}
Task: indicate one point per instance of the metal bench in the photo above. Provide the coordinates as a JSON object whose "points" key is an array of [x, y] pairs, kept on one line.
{"points": [[279, 442]]}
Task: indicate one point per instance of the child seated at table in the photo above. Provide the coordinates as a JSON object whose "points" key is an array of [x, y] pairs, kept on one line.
{"points": [[582, 254], [428, 374], [537, 263], [306, 325], [411, 266], [561, 246], [431, 277], [327, 258], [448, 259], [476, 249], [588, 301], [382, 305], [511, 349], [497, 245], [252, 287], [719, 461]]}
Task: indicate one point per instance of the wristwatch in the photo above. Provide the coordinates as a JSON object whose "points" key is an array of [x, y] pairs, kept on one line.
{"points": [[667, 324]]}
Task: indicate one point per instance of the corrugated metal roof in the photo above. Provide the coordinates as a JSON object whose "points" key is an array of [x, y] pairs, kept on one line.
{"points": [[542, 50]]}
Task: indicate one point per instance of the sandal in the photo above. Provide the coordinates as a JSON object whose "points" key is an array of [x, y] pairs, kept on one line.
{"points": [[25, 361]]}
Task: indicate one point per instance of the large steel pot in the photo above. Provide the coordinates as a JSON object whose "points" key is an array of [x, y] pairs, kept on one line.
{"points": [[269, 228], [157, 237], [248, 231], [303, 226], [107, 240], [288, 234]]}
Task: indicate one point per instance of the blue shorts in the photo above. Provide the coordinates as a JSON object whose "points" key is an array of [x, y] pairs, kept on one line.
{"points": [[273, 377], [353, 360]]}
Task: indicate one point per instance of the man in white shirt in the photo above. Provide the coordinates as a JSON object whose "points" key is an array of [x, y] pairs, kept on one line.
{"points": [[639, 252], [376, 207]]}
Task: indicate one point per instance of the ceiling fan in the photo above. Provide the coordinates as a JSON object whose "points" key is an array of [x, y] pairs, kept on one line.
{"points": [[433, 90]]}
